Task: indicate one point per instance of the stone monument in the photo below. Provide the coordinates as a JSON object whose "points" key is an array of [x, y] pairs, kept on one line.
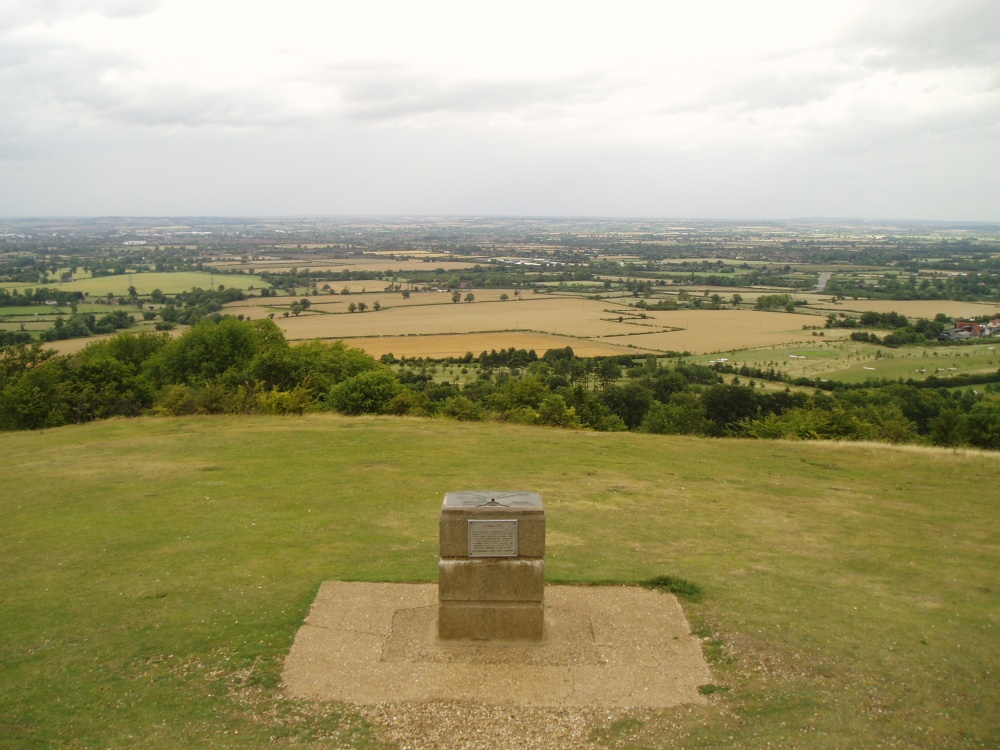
{"points": [[491, 576]]}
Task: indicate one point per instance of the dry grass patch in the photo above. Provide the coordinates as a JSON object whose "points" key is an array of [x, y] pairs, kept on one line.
{"points": [[707, 331], [914, 308], [455, 345], [377, 264], [553, 315]]}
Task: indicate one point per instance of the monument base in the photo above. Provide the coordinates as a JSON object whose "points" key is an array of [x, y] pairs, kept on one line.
{"points": [[492, 570], [491, 621]]}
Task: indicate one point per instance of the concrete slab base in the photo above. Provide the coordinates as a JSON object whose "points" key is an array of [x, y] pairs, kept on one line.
{"points": [[376, 643]]}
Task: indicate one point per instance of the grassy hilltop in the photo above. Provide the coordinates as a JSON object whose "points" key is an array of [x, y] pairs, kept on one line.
{"points": [[155, 572]]}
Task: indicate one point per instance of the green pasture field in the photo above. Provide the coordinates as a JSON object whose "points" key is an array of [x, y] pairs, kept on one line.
{"points": [[736, 271], [838, 359], [30, 311], [41, 317], [168, 283], [156, 571], [919, 363], [52, 311]]}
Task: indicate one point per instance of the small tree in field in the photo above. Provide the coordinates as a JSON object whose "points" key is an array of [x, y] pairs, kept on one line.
{"points": [[470, 297]]}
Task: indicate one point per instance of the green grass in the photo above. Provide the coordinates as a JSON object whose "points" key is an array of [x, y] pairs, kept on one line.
{"points": [[919, 363], [846, 360], [168, 283], [155, 572]]}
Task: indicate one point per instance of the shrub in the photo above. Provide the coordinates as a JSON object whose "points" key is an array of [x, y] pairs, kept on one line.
{"points": [[367, 393]]}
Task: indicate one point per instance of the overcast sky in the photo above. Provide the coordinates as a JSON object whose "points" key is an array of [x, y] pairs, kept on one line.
{"points": [[712, 109]]}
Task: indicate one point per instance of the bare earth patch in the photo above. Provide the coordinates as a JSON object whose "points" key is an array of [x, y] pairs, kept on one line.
{"points": [[609, 650]]}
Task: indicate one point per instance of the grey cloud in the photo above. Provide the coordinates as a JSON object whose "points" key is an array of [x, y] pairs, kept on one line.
{"points": [[916, 36], [58, 87], [373, 93], [769, 91], [173, 105], [16, 13], [957, 34]]}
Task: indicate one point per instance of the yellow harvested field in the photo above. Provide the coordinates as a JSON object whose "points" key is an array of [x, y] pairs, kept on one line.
{"points": [[368, 264], [707, 331], [540, 313], [456, 345], [572, 321], [915, 308], [337, 303]]}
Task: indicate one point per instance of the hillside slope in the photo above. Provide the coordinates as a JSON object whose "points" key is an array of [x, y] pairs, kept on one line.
{"points": [[155, 571]]}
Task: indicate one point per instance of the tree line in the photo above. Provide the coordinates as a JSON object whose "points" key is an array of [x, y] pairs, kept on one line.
{"points": [[233, 366]]}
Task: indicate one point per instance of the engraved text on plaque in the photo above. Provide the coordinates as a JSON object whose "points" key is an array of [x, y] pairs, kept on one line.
{"points": [[493, 538]]}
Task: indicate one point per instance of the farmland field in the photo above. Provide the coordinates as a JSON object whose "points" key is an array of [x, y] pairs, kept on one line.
{"points": [[168, 283], [386, 264], [918, 363], [604, 324], [707, 331], [456, 345], [913, 308], [855, 362]]}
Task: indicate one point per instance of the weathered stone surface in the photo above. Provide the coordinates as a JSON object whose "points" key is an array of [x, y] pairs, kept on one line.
{"points": [[491, 621], [454, 528], [497, 580], [493, 588]]}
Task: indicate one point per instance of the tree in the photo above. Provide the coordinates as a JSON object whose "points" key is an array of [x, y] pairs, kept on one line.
{"points": [[726, 405], [376, 305], [607, 371], [367, 393], [470, 297], [504, 297], [405, 293], [353, 307], [554, 412], [629, 401], [211, 349], [456, 297], [362, 307], [736, 299], [982, 424], [682, 415]]}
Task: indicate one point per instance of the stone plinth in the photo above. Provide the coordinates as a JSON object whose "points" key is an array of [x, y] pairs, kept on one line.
{"points": [[491, 583]]}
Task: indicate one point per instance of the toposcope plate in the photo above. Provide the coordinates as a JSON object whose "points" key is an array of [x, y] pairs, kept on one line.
{"points": [[493, 498]]}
